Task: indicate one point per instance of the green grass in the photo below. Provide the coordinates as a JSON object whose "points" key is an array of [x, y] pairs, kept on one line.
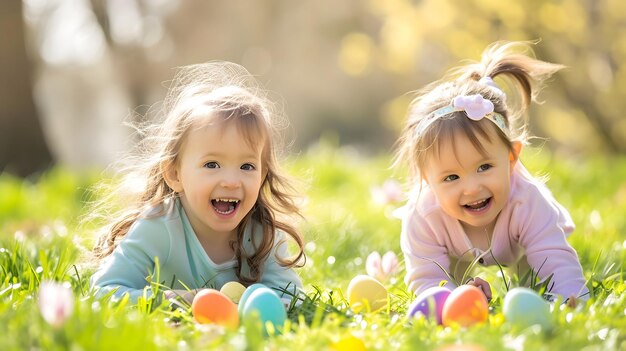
{"points": [[41, 241]]}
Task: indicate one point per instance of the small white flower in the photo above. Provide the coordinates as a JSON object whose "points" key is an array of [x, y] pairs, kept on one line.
{"points": [[389, 192], [56, 302], [382, 268], [372, 264], [390, 264], [19, 236]]}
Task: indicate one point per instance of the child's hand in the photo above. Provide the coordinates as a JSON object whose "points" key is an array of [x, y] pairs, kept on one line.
{"points": [[572, 301], [187, 295], [483, 285]]}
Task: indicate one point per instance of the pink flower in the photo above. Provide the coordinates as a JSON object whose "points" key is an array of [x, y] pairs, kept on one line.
{"points": [[56, 302], [475, 106], [382, 268], [389, 192]]}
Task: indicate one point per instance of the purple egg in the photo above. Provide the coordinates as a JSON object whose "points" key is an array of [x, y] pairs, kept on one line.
{"points": [[430, 303]]}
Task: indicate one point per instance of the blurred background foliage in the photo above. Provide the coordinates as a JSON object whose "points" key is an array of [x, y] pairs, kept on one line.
{"points": [[72, 71]]}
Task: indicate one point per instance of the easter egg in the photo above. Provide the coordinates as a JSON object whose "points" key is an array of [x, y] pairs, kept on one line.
{"points": [[348, 343], [430, 303], [211, 306], [524, 307], [244, 297], [366, 294], [465, 306], [264, 304], [233, 290]]}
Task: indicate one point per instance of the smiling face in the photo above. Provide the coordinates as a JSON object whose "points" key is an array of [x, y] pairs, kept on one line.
{"points": [[470, 185], [217, 175]]}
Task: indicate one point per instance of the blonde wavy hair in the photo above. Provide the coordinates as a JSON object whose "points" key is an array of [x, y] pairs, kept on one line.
{"points": [[200, 94]]}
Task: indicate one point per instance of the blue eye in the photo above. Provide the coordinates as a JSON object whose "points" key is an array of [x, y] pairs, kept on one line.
{"points": [[451, 178], [248, 167], [211, 164], [484, 167]]}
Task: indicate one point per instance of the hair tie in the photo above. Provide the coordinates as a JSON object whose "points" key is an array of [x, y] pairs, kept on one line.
{"points": [[488, 81]]}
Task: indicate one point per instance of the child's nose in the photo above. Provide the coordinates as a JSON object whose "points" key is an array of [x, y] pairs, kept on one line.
{"points": [[230, 181], [472, 186]]}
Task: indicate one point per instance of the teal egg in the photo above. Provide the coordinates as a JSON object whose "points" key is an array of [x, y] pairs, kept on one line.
{"points": [[246, 294], [524, 307], [264, 304]]}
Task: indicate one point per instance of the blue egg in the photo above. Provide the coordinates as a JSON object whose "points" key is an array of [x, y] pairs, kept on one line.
{"points": [[524, 307], [264, 304], [246, 294]]}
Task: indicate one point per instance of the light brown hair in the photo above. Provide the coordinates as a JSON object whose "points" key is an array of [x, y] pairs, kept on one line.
{"points": [[200, 94], [512, 61]]}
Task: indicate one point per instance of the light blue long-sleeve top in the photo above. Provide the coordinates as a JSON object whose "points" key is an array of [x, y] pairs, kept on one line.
{"points": [[181, 258]]}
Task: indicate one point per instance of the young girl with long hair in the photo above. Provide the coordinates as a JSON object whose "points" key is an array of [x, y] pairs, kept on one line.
{"points": [[204, 200]]}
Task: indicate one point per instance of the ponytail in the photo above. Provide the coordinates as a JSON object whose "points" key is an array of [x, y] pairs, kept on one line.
{"points": [[515, 61]]}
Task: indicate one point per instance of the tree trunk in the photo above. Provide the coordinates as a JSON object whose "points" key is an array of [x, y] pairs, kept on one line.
{"points": [[23, 149]]}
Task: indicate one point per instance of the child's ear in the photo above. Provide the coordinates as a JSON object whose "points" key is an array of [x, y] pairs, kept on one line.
{"points": [[171, 176], [515, 152]]}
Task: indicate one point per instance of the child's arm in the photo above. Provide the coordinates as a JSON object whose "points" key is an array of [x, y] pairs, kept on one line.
{"points": [[547, 250], [277, 276], [423, 255], [132, 261]]}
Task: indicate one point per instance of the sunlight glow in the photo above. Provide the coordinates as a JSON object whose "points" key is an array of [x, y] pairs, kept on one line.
{"points": [[126, 21], [72, 35], [356, 53]]}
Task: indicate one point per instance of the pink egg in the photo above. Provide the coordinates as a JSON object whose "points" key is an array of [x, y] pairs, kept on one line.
{"points": [[430, 303], [466, 305]]}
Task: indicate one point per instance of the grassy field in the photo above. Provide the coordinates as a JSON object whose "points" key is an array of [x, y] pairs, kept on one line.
{"points": [[40, 241]]}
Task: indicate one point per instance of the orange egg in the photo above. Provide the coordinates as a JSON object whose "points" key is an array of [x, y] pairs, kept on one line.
{"points": [[465, 306], [210, 306]]}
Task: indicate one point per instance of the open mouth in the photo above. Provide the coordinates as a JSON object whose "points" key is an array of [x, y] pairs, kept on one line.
{"points": [[225, 206], [478, 206]]}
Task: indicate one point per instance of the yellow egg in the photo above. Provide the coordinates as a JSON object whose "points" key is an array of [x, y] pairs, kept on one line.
{"points": [[367, 294], [233, 290], [348, 343]]}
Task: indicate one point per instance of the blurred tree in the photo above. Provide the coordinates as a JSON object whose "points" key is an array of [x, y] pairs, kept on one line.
{"points": [[23, 149], [420, 40], [126, 43]]}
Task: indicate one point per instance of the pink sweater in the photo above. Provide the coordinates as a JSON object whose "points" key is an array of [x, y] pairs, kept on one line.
{"points": [[532, 223]]}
